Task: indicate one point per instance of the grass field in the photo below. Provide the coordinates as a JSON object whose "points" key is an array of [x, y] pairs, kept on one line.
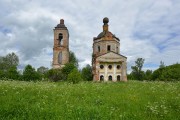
{"points": [[130, 100]]}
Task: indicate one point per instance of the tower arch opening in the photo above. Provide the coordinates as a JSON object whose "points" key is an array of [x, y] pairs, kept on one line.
{"points": [[60, 37]]}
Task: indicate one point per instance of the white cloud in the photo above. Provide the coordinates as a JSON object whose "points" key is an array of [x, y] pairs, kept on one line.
{"points": [[148, 29]]}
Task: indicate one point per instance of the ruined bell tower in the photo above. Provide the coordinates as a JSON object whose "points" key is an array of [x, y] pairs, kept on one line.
{"points": [[61, 46]]}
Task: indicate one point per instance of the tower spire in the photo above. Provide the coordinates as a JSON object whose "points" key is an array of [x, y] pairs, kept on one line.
{"points": [[105, 26]]}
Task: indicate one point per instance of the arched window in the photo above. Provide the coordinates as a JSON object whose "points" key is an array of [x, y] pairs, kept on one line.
{"points": [[108, 48], [60, 38], [110, 78], [60, 58], [118, 78], [101, 78], [99, 49]]}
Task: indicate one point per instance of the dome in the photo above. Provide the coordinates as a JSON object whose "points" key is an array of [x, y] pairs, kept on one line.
{"points": [[102, 34], [61, 24], [106, 34], [105, 20]]}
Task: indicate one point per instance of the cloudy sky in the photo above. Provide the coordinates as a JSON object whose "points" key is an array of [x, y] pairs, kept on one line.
{"points": [[147, 28]]}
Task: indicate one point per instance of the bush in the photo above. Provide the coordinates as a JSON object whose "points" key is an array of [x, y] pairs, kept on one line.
{"points": [[87, 73], [55, 75], [168, 73], [67, 69], [74, 76], [30, 73]]}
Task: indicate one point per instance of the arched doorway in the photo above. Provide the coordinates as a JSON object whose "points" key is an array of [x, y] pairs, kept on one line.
{"points": [[118, 78], [101, 78], [110, 78]]}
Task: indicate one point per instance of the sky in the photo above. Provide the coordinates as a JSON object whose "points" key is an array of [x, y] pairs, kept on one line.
{"points": [[149, 29]]}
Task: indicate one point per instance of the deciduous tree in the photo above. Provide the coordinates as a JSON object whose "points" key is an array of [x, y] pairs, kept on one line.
{"points": [[137, 69], [87, 73]]}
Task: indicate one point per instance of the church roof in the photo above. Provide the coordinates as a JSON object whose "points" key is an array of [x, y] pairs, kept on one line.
{"points": [[61, 24], [106, 33], [111, 57], [113, 53]]}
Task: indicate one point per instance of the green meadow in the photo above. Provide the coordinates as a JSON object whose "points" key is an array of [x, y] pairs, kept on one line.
{"points": [[132, 100]]}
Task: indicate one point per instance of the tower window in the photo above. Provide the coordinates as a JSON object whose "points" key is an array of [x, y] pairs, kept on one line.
{"points": [[60, 38], [98, 48], [108, 48], [117, 49]]}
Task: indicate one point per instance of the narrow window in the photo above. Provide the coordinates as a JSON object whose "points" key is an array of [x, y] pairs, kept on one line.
{"points": [[110, 78], [101, 78], [60, 38], [99, 49], [117, 49], [118, 78], [60, 58], [108, 48]]}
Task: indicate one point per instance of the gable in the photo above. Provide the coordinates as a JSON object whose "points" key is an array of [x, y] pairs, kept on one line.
{"points": [[111, 57]]}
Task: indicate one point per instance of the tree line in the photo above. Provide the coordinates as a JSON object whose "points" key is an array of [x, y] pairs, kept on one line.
{"points": [[70, 72], [163, 73]]}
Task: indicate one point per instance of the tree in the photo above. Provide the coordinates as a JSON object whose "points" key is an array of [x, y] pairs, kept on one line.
{"points": [[137, 72], [30, 73], [148, 75], [8, 66], [42, 70], [73, 59], [67, 69], [162, 65], [10, 60], [74, 76], [87, 73], [12, 73], [168, 73], [55, 75]]}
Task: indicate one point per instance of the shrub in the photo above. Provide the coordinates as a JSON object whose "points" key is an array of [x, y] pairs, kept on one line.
{"points": [[55, 75], [74, 76], [30, 73], [67, 69], [87, 73]]}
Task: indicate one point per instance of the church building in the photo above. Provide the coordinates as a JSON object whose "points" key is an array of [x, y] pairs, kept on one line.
{"points": [[107, 62], [61, 45]]}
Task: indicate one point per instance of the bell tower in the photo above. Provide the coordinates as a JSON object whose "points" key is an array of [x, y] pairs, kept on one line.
{"points": [[61, 45]]}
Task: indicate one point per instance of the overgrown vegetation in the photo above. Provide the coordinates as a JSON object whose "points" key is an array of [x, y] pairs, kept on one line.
{"points": [[9, 71], [163, 73], [132, 100]]}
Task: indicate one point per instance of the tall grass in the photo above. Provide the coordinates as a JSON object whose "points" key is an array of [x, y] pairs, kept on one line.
{"points": [[130, 100]]}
